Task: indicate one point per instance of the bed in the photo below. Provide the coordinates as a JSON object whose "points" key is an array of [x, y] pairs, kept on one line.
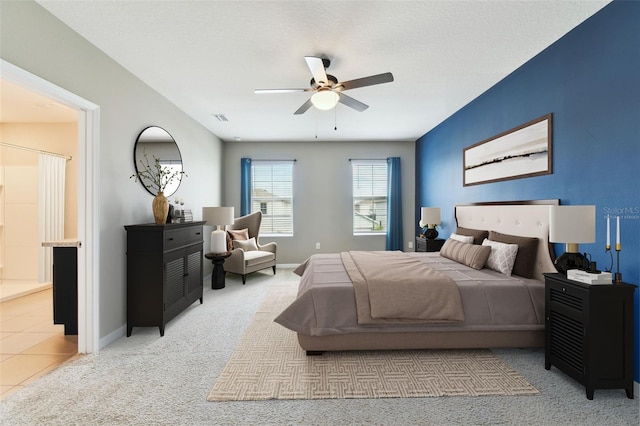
{"points": [[498, 310]]}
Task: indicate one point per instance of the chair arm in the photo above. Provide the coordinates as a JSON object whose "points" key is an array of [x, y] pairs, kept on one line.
{"points": [[270, 247], [235, 262]]}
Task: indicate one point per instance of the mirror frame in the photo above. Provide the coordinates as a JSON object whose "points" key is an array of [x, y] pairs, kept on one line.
{"points": [[138, 150]]}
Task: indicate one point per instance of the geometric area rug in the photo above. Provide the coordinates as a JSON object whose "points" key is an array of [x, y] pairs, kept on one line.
{"points": [[268, 363]]}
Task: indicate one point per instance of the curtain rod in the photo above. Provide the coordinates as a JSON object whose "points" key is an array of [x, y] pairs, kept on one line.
{"points": [[9, 145], [275, 161]]}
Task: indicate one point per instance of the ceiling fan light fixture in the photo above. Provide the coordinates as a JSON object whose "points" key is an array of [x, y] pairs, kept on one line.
{"points": [[325, 99]]}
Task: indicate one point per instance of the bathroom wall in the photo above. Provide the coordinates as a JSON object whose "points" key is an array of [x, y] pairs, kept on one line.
{"points": [[19, 236]]}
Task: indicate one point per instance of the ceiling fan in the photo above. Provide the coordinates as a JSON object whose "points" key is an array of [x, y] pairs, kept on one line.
{"points": [[327, 90]]}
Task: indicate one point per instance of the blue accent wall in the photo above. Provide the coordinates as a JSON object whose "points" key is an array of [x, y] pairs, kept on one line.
{"points": [[590, 81]]}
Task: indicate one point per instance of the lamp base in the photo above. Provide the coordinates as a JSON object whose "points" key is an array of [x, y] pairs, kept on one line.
{"points": [[568, 260], [218, 241], [431, 233]]}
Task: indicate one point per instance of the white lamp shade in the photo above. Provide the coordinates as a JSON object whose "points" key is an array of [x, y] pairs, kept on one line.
{"points": [[572, 224], [430, 216], [218, 216], [325, 99]]}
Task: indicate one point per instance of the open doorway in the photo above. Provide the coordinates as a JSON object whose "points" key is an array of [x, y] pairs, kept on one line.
{"points": [[33, 128], [87, 191]]}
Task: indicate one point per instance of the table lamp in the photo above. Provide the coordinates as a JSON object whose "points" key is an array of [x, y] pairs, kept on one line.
{"points": [[572, 225], [429, 218], [218, 217]]}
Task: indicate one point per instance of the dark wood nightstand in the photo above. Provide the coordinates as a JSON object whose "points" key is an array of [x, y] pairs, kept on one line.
{"points": [[426, 244], [589, 332]]}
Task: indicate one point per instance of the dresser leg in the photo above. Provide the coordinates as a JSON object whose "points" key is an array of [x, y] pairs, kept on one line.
{"points": [[629, 390], [590, 393]]}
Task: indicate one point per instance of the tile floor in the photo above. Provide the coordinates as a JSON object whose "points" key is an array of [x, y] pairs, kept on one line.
{"points": [[30, 344]]}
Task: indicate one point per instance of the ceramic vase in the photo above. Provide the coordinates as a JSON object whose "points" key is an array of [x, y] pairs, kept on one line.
{"points": [[160, 208]]}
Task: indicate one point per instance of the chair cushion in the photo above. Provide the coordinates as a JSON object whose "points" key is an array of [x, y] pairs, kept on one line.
{"points": [[256, 257], [236, 234], [246, 245]]}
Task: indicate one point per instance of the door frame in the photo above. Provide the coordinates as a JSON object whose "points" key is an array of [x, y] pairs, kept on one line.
{"points": [[88, 190]]}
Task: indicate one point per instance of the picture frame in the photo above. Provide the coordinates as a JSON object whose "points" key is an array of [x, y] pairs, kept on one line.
{"points": [[521, 152]]}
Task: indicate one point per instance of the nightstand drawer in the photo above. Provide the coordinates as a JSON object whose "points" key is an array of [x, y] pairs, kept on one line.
{"points": [[428, 245], [566, 297]]}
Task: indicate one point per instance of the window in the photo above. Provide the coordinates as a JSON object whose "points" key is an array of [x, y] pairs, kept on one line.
{"points": [[369, 196], [272, 194]]}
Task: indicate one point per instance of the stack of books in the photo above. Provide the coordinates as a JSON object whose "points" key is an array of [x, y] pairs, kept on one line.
{"points": [[589, 277], [182, 216]]}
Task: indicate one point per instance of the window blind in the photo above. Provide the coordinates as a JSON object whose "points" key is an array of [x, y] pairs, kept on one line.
{"points": [[272, 193], [369, 196]]}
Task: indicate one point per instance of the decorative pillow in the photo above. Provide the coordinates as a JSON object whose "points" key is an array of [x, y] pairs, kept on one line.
{"points": [[246, 245], [462, 238], [477, 234], [502, 256], [472, 255], [527, 250], [236, 234]]}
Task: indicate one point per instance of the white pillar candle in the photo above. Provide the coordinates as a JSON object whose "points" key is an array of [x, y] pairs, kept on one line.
{"points": [[608, 233], [617, 230]]}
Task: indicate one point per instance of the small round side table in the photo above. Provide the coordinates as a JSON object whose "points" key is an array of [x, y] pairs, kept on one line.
{"points": [[217, 276]]}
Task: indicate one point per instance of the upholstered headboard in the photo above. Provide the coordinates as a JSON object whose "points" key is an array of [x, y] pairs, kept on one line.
{"points": [[522, 218]]}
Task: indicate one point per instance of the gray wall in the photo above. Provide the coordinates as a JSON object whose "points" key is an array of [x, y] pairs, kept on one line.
{"points": [[36, 41], [322, 192]]}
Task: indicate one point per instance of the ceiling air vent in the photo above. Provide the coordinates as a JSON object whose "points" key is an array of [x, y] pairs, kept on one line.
{"points": [[221, 117]]}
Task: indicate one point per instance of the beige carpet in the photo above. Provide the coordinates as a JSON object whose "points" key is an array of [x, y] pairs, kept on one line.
{"points": [[268, 363]]}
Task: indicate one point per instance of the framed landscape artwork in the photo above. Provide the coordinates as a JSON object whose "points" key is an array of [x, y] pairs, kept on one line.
{"points": [[523, 151]]}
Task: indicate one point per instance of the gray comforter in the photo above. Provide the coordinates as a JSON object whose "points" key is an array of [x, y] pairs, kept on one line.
{"points": [[491, 301], [382, 298]]}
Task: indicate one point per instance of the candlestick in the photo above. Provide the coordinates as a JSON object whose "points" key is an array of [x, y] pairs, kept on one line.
{"points": [[608, 246]]}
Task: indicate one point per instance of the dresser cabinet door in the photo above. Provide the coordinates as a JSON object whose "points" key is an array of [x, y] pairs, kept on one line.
{"points": [[174, 276]]}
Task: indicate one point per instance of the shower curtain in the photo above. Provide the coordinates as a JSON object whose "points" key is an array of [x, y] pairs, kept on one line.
{"points": [[51, 209]]}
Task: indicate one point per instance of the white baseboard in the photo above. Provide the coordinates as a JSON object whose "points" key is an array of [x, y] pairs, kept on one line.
{"points": [[113, 336]]}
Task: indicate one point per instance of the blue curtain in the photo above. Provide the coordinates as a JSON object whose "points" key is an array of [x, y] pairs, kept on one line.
{"points": [[394, 205], [245, 186]]}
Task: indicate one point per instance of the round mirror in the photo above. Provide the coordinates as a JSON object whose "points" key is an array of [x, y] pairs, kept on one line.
{"points": [[155, 148]]}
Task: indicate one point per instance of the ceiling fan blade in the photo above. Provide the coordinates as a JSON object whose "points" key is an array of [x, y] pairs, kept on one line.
{"points": [[281, 90], [386, 77], [305, 106], [352, 103], [316, 66]]}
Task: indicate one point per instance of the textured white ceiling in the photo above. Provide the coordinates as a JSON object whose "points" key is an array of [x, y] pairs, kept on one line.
{"points": [[207, 57]]}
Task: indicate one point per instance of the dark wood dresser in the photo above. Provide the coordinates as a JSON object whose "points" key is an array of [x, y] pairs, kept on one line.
{"points": [[589, 332], [164, 272]]}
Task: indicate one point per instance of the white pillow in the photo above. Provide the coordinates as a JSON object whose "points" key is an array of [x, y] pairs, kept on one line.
{"points": [[462, 238], [246, 245], [502, 256]]}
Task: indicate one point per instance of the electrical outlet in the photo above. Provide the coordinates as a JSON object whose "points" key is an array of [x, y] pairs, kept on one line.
{"points": [[410, 244], [317, 246]]}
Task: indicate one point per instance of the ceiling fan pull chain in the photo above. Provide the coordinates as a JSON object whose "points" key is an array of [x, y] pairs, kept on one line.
{"points": [[335, 118]]}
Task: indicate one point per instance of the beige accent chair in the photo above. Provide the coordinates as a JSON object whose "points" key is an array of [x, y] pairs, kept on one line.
{"points": [[243, 262]]}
